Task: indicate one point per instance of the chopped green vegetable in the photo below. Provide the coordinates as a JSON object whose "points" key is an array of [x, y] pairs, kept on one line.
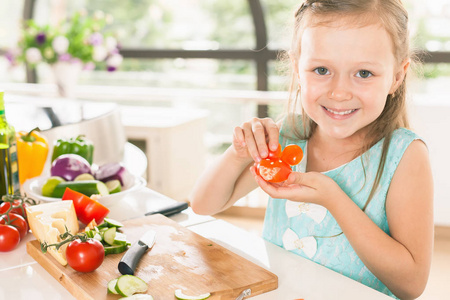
{"points": [[113, 186], [88, 188], [50, 184], [112, 223], [112, 286], [116, 249], [84, 177], [109, 235], [128, 285]]}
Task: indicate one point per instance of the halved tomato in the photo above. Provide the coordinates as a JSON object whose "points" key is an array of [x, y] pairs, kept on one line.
{"points": [[273, 169]]}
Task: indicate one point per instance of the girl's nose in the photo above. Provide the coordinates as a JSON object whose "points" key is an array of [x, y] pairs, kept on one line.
{"points": [[340, 90]]}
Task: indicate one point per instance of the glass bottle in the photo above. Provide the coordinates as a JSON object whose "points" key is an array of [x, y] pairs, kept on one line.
{"points": [[9, 183]]}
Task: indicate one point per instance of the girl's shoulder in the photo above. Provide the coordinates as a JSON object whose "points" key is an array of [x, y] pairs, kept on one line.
{"points": [[402, 138], [404, 133]]}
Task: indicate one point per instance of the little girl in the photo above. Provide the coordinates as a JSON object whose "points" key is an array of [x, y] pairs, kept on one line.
{"points": [[361, 200]]}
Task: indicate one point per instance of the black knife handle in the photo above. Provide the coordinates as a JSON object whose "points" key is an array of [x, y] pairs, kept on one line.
{"points": [[171, 209], [128, 263]]}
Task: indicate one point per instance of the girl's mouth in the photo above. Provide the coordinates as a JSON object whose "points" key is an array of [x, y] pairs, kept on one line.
{"points": [[339, 113]]}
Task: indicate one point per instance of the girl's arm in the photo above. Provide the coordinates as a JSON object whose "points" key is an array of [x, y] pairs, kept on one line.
{"points": [[229, 178], [401, 261]]}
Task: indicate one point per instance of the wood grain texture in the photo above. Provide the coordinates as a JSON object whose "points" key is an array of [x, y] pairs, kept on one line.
{"points": [[180, 259]]}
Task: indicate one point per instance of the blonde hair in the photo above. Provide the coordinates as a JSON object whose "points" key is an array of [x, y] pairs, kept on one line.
{"points": [[394, 18]]}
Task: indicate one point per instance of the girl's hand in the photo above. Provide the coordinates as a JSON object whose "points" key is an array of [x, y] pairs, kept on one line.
{"points": [[251, 139], [311, 187]]}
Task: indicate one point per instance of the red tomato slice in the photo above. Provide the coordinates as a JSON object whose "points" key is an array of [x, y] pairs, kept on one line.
{"points": [[273, 170], [9, 238], [85, 256], [18, 222], [86, 208], [292, 154]]}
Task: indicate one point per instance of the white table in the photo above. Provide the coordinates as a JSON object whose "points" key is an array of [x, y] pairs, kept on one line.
{"points": [[21, 277]]}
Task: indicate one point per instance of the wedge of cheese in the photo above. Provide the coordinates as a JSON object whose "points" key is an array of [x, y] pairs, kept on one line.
{"points": [[49, 220]]}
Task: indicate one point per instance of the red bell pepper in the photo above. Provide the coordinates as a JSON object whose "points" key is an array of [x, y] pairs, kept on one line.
{"points": [[86, 208]]}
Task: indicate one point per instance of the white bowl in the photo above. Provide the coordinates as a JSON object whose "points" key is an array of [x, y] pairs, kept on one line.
{"points": [[33, 188]]}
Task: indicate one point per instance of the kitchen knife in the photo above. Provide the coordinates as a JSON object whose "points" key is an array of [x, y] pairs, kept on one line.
{"points": [[170, 210], [128, 263]]}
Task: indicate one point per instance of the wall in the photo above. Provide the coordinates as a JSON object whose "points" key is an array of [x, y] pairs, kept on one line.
{"points": [[430, 118]]}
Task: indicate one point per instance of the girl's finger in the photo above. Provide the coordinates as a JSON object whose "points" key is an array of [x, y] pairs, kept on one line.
{"points": [[259, 132], [306, 179], [250, 142], [239, 136], [273, 133]]}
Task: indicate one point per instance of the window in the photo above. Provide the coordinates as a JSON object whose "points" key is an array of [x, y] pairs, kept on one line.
{"points": [[204, 39]]}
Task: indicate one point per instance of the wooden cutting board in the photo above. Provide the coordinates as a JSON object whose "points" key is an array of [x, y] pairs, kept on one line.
{"points": [[180, 259]]}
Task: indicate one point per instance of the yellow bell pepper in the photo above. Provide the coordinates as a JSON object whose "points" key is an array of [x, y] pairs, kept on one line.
{"points": [[32, 151]]}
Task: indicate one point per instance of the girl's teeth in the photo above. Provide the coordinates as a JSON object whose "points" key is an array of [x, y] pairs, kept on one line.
{"points": [[341, 112]]}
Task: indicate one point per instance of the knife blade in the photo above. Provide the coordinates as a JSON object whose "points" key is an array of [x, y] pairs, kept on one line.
{"points": [[129, 261], [170, 209]]}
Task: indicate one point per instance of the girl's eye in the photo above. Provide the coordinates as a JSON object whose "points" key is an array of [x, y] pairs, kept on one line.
{"points": [[364, 74], [321, 71]]}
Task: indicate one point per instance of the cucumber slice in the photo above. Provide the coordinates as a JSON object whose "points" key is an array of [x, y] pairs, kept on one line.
{"points": [[112, 286], [109, 235], [114, 186], [98, 237], [84, 177], [88, 188], [103, 225], [50, 184], [116, 249], [112, 223], [179, 295], [128, 285], [138, 297], [120, 239]]}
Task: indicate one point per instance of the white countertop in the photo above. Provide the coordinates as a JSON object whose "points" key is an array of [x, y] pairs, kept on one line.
{"points": [[21, 277]]}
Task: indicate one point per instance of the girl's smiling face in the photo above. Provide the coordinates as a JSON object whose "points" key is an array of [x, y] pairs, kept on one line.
{"points": [[345, 74]]}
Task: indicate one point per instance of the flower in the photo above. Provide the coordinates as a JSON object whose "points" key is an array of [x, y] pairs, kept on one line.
{"points": [[79, 38], [60, 44], [33, 55]]}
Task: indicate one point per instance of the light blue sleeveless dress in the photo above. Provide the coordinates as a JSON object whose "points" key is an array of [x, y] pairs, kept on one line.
{"points": [[308, 229]]}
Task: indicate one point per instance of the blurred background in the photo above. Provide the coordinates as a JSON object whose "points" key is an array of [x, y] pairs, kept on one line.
{"points": [[220, 58], [193, 70]]}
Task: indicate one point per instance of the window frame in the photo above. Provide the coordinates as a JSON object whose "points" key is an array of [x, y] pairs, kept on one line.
{"points": [[261, 54]]}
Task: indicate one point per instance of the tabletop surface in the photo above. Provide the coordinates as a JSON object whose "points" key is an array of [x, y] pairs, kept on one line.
{"points": [[298, 278]]}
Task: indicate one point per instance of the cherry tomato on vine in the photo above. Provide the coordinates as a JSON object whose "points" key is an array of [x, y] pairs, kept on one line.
{"points": [[292, 154], [18, 222], [9, 238], [16, 208], [85, 256], [273, 170]]}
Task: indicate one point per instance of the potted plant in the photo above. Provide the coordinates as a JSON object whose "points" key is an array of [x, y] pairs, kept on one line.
{"points": [[77, 42]]}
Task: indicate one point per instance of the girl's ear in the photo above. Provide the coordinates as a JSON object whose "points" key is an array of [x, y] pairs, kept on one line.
{"points": [[400, 75]]}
